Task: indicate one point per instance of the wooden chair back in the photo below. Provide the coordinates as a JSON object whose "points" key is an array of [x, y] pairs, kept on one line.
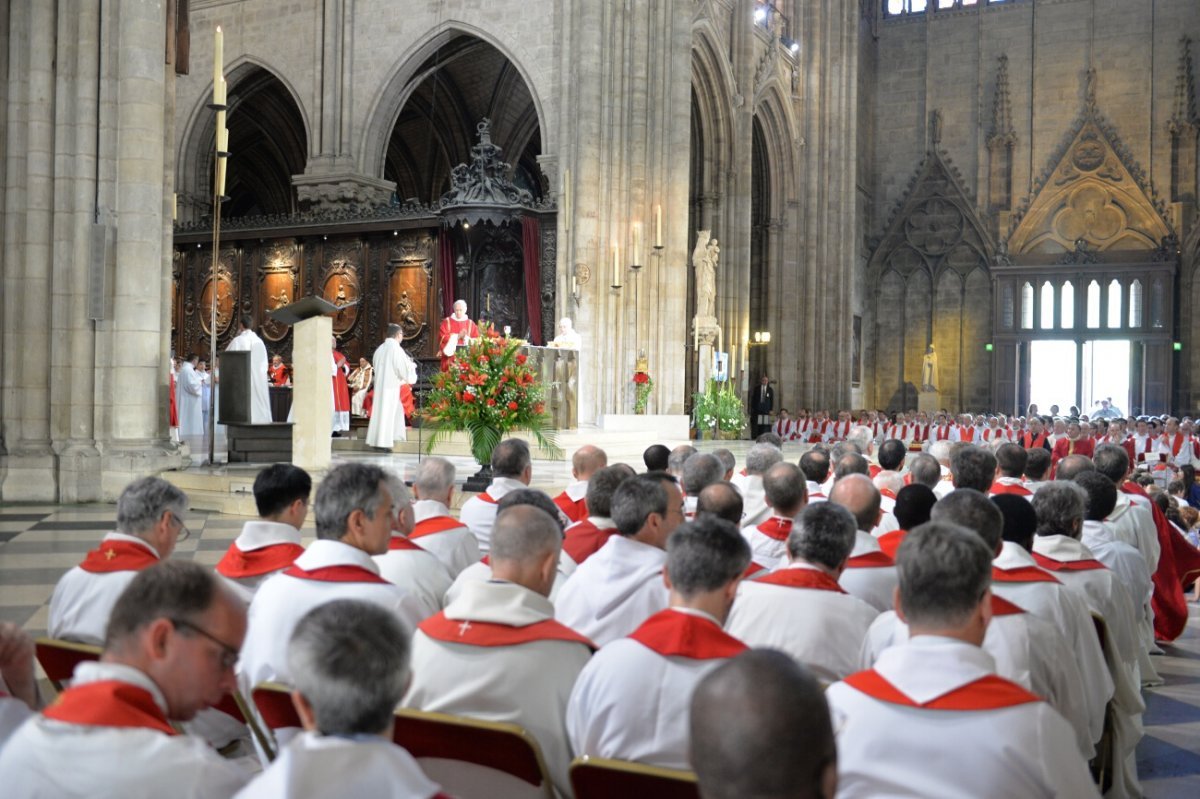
{"points": [[597, 778]]}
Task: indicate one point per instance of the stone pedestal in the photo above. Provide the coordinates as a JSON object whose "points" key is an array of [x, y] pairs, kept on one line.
{"points": [[706, 332], [928, 402], [312, 395]]}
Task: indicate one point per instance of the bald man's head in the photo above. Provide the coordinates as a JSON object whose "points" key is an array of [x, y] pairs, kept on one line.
{"points": [[857, 494], [587, 460], [740, 754], [721, 500], [525, 546]]}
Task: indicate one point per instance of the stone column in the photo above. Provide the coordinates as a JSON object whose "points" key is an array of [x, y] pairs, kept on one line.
{"points": [[312, 399]]}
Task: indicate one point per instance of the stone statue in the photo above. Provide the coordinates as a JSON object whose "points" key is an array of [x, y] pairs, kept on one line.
{"points": [[704, 261], [929, 370]]}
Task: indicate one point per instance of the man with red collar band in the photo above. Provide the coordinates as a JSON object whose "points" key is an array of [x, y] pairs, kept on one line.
{"points": [[1146, 445], [149, 522], [799, 608], [869, 574], [837, 431], [1010, 466], [631, 701], [270, 543], [512, 468], [1181, 448], [892, 722], [406, 563], [786, 496], [353, 511], [172, 642], [818, 425], [496, 652], [1072, 444], [784, 424], [993, 432], [585, 538], [1035, 437], [434, 529], [942, 430], [584, 463]]}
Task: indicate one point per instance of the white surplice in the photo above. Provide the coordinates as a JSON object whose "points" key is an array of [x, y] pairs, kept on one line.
{"points": [[256, 535], [480, 572], [13, 713], [419, 573], [632, 703], [82, 601], [479, 512], [527, 683], [1130, 568], [260, 394], [1133, 523], [755, 509], [316, 766], [447, 538], [614, 591], [283, 600], [392, 368], [822, 629], [189, 402], [872, 584], [50, 758], [768, 540], [1023, 751]]}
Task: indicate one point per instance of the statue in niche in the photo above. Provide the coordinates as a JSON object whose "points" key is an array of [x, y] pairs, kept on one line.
{"points": [[704, 261], [281, 300], [406, 314], [929, 370]]}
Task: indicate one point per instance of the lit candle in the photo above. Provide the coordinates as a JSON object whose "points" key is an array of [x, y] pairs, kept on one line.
{"points": [[616, 264], [637, 243], [218, 60], [658, 226]]}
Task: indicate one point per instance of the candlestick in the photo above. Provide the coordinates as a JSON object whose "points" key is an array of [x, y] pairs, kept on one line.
{"points": [[637, 245], [658, 227], [174, 206], [218, 60], [221, 177], [222, 139]]}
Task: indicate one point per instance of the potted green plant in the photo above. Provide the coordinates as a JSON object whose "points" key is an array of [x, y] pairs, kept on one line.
{"points": [[718, 409]]}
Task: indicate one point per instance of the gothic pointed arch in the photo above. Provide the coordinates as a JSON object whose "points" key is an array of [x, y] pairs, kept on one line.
{"points": [[1092, 191]]}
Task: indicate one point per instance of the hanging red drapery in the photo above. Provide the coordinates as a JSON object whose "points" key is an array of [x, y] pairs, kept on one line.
{"points": [[446, 271], [532, 248]]}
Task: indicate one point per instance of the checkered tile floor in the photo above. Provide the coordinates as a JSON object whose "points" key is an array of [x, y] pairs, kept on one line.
{"points": [[38, 543]]}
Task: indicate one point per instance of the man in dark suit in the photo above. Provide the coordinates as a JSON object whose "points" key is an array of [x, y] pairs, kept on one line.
{"points": [[762, 402]]}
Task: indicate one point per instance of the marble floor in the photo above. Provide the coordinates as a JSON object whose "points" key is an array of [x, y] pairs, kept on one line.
{"points": [[38, 543]]}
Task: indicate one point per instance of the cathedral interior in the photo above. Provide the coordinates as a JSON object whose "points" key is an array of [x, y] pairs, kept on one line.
{"points": [[1011, 181]]}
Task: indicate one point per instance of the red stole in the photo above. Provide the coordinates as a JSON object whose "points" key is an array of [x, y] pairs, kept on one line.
{"points": [[987, 693], [890, 542], [942, 433], [345, 573], [870, 560], [109, 703], [1029, 442], [674, 634], [585, 539], [574, 509], [1067, 565], [118, 556], [802, 578], [256, 562], [776, 528], [482, 633], [486, 497], [1002, 607], [435, 524], [873, 471], [399, 542], [1010, 488], [966, 433], [1022, 574]]}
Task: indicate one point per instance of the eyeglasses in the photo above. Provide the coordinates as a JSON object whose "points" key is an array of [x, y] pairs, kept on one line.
{"points": [[229, 655], [184, 533]]}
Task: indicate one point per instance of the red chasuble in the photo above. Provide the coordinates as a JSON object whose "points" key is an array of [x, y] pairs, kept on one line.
{"points": [[1178, 565], [347, 573], [674, 634], [109, 703], [465, 329], [341, 389], [257, 562], [482, 633], [118, 556], [986, 693], [802, 578]]}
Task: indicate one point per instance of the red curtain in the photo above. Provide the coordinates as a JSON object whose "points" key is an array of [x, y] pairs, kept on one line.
{"points": [[532, 248], [446, 271]]}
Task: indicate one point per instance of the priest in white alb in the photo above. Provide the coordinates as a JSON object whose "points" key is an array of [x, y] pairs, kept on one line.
{"points": [[260, 396], [189, 400], [392, 368]]}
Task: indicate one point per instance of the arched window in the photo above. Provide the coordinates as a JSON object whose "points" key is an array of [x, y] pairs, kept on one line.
{"points": [[1027, 307], [1047, 316], [1114, 304], [1135, 303], [1093, 305], [1067, 313]]}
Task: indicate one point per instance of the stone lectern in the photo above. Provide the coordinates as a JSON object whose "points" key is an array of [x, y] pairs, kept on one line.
{"points": [[312, 367]]}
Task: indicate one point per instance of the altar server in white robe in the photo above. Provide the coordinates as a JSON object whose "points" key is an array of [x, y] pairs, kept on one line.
{"points": [[18, 683], [631, 701], [349, 662], [869, 574], [392, 368], [783, 487], [260, 396], [1017, 578], [932, 718], [1060, 511], [621, 585], [759, 459], [496, 652], [800, 609], [435, 530], [149, 521], [738, 754], [270, 543], [171, 646], [189, 400], [1130, 522], [512, 468], [406, 563], [353, 511]]}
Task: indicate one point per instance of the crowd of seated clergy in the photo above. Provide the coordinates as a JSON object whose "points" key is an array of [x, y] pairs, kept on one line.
{"points": [[971, 620]]}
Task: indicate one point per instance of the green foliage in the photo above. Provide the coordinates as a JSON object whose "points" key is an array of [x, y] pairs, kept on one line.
{"points": [[719, 406]]}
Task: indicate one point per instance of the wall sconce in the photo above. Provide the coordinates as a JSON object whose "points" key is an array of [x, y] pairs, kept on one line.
{"points": [[760, 338]]}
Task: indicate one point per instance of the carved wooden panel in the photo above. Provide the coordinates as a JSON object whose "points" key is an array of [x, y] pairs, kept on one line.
{"points": [[409, 294], [221, 290], [340, 283], [278, 274]]}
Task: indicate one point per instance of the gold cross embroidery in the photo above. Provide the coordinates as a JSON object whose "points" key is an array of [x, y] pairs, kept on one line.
{"points": [[462, 628], [109, 554]]}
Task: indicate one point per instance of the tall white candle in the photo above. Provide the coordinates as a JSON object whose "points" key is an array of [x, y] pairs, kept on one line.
{"points": [[658, 226], [218, 59], [637, 243], [616, 248]]}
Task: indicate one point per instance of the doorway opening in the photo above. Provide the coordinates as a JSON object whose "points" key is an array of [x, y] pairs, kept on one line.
{"points": [[1053, 373], [1106, 375]]}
